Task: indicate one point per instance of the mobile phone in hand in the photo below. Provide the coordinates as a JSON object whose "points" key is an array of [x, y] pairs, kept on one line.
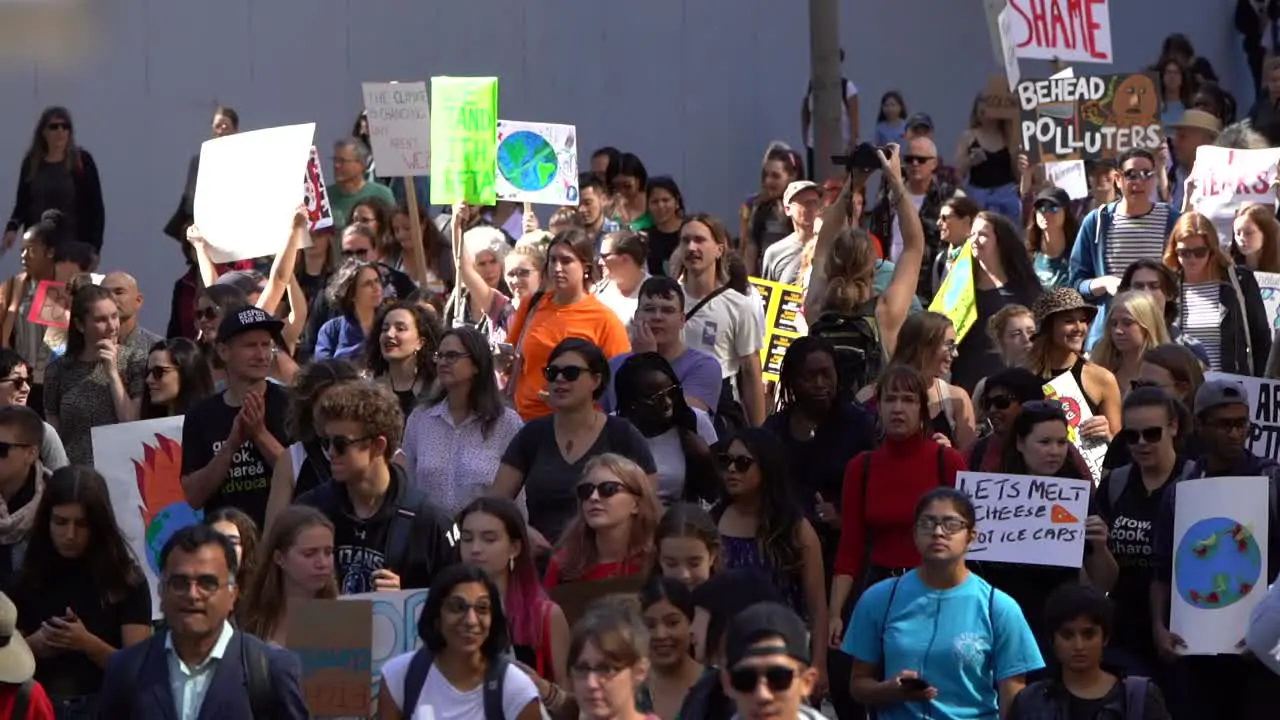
{"points": [[914, 684]]}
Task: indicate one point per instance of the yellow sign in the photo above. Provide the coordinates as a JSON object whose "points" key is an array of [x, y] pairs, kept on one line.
{"points": [[783, 322]]}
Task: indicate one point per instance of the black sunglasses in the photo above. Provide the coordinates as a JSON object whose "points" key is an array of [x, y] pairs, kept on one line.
{"points": [[1199, 253], [5, 446], [740, 463], [916, 159], [208, 313], [341, 444], [57, 125], [1134, 175], [1048, 208], [998, 402], [159, 371], [778, 677], [571, 373], [607, 489], [18, 382], [1150, 435], [355, 254]]}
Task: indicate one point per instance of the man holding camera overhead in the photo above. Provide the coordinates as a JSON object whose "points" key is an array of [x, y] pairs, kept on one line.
{"points": [[927, 193]]}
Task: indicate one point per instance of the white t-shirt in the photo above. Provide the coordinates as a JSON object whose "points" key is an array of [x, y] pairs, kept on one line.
{"points": [[623, 305], [729, 327], [895, 249], [441, 701], [668, 455], [849, 91]]}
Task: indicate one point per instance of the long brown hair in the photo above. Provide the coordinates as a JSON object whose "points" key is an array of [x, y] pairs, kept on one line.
{"points": [[264, 601], [1264, 218], [578, 552], [920, 337], [850, 268], [1191, 225]]}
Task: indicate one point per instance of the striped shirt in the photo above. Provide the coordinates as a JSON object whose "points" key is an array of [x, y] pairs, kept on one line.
{"points": [[1202, 318], [1133, 237]]}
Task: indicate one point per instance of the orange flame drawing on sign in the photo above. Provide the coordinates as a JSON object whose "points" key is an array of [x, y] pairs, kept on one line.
{"points": [[158, 476]]}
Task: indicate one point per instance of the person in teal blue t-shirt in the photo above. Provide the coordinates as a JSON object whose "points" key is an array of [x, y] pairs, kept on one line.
{"points": [[947, 644]]}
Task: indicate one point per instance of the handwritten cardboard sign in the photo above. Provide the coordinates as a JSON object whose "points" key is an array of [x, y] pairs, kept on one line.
{"points": [[315, 195], [1066, 30], [1027, 519], [399, 127], [1226, 180], [783, 322], [1264, 412], [395, 627], [1269, 285], [1066, 390], [537, 162], [1088, 117], [1070, 176], [464, 140], [334, 642], [51, 305]]}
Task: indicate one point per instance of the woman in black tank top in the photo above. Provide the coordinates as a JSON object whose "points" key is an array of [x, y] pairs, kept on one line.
{"points": [[986, 158]]}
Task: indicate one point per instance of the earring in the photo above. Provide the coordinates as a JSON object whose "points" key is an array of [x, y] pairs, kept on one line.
{"points": [[511, 564]]}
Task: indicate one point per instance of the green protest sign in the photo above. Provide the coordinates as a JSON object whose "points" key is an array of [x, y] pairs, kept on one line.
{"points": [[464, 147]]}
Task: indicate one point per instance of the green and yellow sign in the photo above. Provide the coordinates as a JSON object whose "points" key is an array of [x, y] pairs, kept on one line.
{"points": [[464, 146]]}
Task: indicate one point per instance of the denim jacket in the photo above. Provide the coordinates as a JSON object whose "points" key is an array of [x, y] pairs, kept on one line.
{"points": [[339, 337]]}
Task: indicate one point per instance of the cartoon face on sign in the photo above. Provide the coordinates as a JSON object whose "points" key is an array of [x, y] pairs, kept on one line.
{"points": [[1135, 102]]}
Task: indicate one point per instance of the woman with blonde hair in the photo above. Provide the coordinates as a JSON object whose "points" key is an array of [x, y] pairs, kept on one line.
{"points": [[612, 535], [295, 563], [1134, 326], [1256, 238], [1220, 302]]}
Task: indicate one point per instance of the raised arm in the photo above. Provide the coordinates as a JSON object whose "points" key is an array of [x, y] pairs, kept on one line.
{"points": [[895, 301], [204, 263], [282, 266]]}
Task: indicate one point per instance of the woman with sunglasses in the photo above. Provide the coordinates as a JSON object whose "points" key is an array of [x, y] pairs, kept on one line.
{"points": [[1150, 275], [15, 388], [1220, 301], [679, 436], [911, 629], [177, 377], [668, 611], [57, 174], [1050, 235], [464, 632], [1129, 497], [1177, 371], [1007, 391], [612, 534], [623, 255], [761, 526], [546, 457]]}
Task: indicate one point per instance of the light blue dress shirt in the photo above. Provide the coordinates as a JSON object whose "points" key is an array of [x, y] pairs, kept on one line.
{"points": [[191, 684]]}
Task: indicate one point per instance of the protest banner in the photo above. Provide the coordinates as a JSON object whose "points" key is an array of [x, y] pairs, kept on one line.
{"points": [[1066, 390], [1269, 284], [1070, 176], [334, 643], [1224, 180], [464, 140], [997, 100], [1066, 30], [1220, 530], [1264, 412], [399, 127], [956, 298], [537, 163], [1027, 519], [783, 322], [315, 195], [51, 305], [1009, 48], [992, 9], [142, 465], [574, 598], [395, 626], [1088, 117], [261, 165]]}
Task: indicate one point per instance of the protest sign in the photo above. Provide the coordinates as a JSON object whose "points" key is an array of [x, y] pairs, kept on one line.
{"points": [[1070, 176], [537, 163], [1065, 389], [395, 625], [1066, 30], [1269, 284], [261, 165], [1009, 48], [783, 322], [399, 127], [992, 8], [1220, 530], [1264, 412], [1088, 117], [1224, 180], [315, 195], [333, 641], [1027, 519], [51, 305], [574, 598], [956, 298], [464, 139], [997, 101], [142, 465]]}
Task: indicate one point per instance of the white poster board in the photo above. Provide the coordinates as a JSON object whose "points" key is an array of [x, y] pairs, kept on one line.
{"points": [[1070, 176], [1066, 30], [1227, 179], [1269, 285], [1009, 48], [537, 163], [1065, 389], [142, 464], [1027, 519], [247, 190], [395, 626], [1219, 561], [399, 127], [1264, 413]]}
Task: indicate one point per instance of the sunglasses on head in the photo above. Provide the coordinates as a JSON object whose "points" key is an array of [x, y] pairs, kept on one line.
{"points": [[340, 444], [571, 373], [999, 402], [739, 463], [1151, 435], [606, 489], [1136, 175], [777, 677], [1199, 253], [5, 446]]}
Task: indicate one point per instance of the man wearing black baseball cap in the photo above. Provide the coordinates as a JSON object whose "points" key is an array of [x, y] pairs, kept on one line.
{"points": [[230, 441], [767, 664]]}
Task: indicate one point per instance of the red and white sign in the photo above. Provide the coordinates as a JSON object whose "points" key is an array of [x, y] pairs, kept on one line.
{"points": [[1072, 31], [1225, 179], [315, 195]]}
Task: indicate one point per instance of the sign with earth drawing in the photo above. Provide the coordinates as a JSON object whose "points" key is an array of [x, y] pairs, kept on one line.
{"points": [[537, 163]]}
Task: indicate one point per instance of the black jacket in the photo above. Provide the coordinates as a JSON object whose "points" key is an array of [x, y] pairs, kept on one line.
{"points": [[362, 546], [1049, 700], [886, 210], [1253, 315], [184, 215], [90, 215]]}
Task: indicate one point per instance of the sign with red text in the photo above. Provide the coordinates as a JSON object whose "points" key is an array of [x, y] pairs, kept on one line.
{"points": [[315, 195], [1027, 519], [1067, 30], [399, 127], [1009, 48], [1088, 117], [1224, 180]]}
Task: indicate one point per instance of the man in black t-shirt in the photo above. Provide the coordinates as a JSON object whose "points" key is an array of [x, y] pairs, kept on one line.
{"points": [[230, 441]]}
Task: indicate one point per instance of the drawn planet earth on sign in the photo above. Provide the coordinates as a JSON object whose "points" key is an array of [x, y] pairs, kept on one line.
{"points": [[527, 160], [1217, 563], [162, 527]]}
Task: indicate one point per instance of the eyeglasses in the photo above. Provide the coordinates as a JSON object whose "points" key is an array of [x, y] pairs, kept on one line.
{"points": [[999, 402], [952, 349], [1048, 208], [1136, 175], [950, 525], [356, 254], [18, 381], [363, 219], [206, 585], [519, 273], [778, 678], [738, 463], [916, 159], [606, 489], [209, 313], [1199, 253], [1151, 435], [449, 357], [455, 605], [340, 444], [659, 397], [582, 671], [57, 126], [4, 448], [571, 373], [159, 371]]}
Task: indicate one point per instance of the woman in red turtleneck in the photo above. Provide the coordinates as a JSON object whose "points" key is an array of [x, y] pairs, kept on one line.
{"points": [[881, 488]]}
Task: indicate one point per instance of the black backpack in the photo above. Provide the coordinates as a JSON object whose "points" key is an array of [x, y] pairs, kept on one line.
{"points": [[859, 353], [420, 666]]}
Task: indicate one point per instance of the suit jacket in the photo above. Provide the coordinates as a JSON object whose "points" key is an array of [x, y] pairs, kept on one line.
{"points": [[176, 228], [148, 694]]}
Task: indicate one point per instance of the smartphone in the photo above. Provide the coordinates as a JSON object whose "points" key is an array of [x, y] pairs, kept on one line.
{"points": [[914, 684]]}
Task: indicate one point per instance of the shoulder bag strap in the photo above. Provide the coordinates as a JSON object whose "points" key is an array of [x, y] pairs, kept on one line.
{"points": [[415, 678], [866, 529], [1244, 321], [528, 318], [399, 536], [495, 678], [257, 674], [710, 296], [22, 701]]}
